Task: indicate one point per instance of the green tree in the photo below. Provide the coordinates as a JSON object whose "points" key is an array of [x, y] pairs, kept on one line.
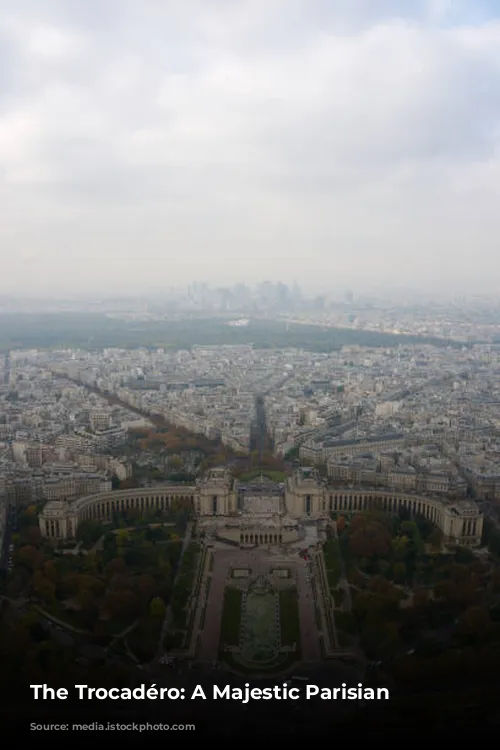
{"points": [[164, 567], [133, 515], [32, 536], [399, 572], [409, 527], [157, 607], [29, 517], [435, 539], [122, 537], [400, 546], [495, 579], [175, 462], [88, 532]]}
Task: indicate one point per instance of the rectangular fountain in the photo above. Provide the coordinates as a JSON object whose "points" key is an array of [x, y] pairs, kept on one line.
{"points": [[240, 572], [280, 572]]}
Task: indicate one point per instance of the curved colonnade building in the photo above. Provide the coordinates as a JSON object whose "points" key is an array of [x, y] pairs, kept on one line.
{"points": [[262, 514]]}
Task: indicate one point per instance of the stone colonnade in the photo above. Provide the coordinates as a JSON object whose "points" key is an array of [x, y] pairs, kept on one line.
{"points": [[105, 509], [261, 538], [350, 502], [60, 519]]}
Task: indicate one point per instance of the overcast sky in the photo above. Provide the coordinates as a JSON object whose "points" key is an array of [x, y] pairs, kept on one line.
{"points": [[335, 142]]}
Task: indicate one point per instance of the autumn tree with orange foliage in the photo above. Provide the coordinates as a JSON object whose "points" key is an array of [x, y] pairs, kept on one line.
{"points": [[379, 585], [116, 566], [119, 582], [32, 536], [118, 604], [360, 521], [30, 557], [146, 587], [420, 599], [43, 588], [370, 540], [50, 571], [475, 622]]}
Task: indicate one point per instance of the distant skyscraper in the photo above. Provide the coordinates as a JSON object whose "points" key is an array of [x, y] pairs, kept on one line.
{"points": [[296, 292], [6, 369]]}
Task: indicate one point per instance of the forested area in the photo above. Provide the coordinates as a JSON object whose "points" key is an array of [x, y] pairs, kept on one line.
{"points": [[95, 331]]}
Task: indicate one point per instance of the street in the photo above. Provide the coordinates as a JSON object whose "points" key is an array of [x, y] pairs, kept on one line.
{"points": [[7, 540]]}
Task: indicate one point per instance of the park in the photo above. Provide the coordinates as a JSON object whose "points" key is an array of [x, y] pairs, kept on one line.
{"points": [[150, 583], [117, 591], [409, 601]]}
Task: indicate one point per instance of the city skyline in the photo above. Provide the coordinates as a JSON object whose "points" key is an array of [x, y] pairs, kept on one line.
{"points": [[344, 145]]}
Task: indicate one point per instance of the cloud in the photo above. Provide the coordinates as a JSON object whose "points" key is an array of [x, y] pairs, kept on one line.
{"points": [[340, 141]]}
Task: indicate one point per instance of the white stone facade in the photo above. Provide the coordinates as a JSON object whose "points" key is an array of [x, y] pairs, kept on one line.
{"points": [[263, 518]]}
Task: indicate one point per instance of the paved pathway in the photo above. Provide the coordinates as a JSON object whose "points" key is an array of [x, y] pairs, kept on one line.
{"points": [[168, 614], [61, 623], [204, 588], [210, 634], [311, 651], [259, 562], [224, 560], [16, 602]]}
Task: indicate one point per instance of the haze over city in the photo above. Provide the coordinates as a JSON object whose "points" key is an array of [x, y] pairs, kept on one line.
{"points": [[342, 143]]}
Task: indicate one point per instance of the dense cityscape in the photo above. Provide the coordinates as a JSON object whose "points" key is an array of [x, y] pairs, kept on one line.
{"points": [[150, 493]]}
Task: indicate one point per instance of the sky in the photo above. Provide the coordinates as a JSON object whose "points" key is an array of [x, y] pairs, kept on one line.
{"points": [[338, 143]]}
